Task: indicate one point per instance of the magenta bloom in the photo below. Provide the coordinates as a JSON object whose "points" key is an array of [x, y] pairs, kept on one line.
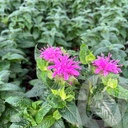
{"points": [[105, 65], [65, 67], [50, 53]]}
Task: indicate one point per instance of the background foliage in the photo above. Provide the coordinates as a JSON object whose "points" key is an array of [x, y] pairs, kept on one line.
{"points": [[100, 24]]}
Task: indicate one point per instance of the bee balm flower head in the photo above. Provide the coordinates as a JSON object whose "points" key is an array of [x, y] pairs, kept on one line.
{"points": [[65, 67], [106, 65], [50, 53]]}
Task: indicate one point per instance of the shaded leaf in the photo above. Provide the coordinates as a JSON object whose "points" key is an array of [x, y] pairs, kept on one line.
{"points": [[58, 124], [106, 108], [8, 87], [45, 108], [47, 122], [71, 114], [118, 92]]}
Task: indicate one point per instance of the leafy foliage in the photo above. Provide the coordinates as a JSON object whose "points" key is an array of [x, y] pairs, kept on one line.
{"points": [[85, 29]]}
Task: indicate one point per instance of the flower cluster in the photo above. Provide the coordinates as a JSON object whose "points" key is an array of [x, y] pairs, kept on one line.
{"points": [[106, 65], [50, 53], [61, 64]]}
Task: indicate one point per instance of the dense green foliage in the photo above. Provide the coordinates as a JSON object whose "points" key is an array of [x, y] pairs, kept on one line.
{"points": [[28, 25]]}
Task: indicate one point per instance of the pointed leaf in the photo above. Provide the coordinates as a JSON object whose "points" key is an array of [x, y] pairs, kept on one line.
{"points": [[47, 122], [42, 112], [58, 124], [71, 114], [106, 108], [118, 92]]}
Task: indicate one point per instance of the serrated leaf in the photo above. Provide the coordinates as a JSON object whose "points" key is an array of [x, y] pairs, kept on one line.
{"points": [[18, 101], [58, 124], [118, 92], [13, 56], [4, 75], [71, 114], [106, 108], [29, 117], [8, 87], [45, 108], [14, 101], [5, 95], [15, 118], [47, 122], [37, 90], [101, 50]]}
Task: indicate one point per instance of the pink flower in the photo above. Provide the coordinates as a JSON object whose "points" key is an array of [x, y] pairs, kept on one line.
{"points": [[105, 65], [65, 67], [50, 53]]}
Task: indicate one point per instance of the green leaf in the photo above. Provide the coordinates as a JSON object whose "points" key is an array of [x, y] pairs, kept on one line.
{"points": [[45, 108], [119, 46], [36, 33], [36, 104], [15, 126], [5, 94], [42, 64], [2, 106], [58, 124], [85, 54], [44, 76], [56, 115], [106, 108], [47, 122], [94, 79], [13, 56], [90, 57], [62, 94], [4, 75], [8, 87], [36, 52], [16, 118], [27, 17], [123, 81], [56, 101], [29, 117], [112, 83], [4, 65], [18, 101], [37, 90], [14, 101], [71, 114], [125, 120], [101, 50], [118, 92]]}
